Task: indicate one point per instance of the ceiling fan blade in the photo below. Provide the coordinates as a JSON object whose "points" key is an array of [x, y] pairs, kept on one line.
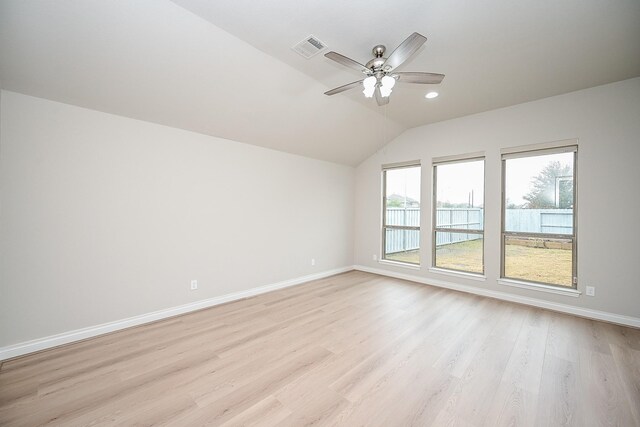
{"points": [[343, 88], [347, 62], [404, 51], [418, 77], [381, 100]]}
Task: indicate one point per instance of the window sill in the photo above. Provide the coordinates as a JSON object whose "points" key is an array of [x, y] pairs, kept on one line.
{"points": [[570, 292], [465, 275], [400, 264]]}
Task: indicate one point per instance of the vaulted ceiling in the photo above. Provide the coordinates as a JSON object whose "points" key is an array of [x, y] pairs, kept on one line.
{"points": [[226, 67]]}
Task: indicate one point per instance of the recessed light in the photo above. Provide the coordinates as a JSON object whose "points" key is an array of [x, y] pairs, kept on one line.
{"points": [[431, 95]]}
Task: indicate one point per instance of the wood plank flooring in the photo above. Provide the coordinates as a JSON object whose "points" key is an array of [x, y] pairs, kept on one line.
{"points": [[354, 349]]}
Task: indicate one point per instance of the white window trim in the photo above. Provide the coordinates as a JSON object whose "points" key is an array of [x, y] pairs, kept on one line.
{"points": [[563, 146], [381, 258], [400, 165], [458, 158], [570, 292], [400, 264], [438, 161], [455, 273]]}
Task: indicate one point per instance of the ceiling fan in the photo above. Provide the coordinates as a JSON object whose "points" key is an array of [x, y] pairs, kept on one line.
{"points": [[380, 73]]}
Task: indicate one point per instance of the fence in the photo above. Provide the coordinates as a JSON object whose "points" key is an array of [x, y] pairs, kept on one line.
{"points": [[402, 240], [556, 221], [553, 221], [463, 218]]}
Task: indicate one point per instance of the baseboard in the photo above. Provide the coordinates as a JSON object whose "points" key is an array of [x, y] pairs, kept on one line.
{"points": [[32, 346], [564, 308], [27, 347]]}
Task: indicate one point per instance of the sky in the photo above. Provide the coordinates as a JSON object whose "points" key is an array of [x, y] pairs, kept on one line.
{"points": [[520, 173], [457, 180], [404, 181]]}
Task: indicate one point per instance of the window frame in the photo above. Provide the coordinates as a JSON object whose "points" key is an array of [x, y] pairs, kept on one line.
{"points": [[532, 151], [435, 162], [383, 251]]}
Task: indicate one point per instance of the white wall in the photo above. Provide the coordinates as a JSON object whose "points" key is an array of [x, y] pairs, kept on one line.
{"points": [[605, 120], [105, 217]]}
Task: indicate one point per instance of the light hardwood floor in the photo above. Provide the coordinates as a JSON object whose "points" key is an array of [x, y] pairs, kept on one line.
{"points": [[353, 349]]}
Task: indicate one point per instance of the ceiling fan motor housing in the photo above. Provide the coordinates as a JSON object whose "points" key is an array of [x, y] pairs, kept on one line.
{"points": [[376, 64], [378, 50]]}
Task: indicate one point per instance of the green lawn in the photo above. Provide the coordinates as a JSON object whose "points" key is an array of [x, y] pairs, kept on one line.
{"points": [[522, 262]]}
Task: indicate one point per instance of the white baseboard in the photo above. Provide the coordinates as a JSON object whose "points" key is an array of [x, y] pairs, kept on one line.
{"points": [[564, 308], [92, 331]]}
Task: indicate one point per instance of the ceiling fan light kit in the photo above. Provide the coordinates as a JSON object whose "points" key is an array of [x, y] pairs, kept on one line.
{"points": [[386, 85], [381, 77], [369, 86]]}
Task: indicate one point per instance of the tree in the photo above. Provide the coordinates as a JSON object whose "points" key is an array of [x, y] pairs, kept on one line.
{"points": [[448, 205], [394, 203], [398, 201], [511, 205], [552, 188]]}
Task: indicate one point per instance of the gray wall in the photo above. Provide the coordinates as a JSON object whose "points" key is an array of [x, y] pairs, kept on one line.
{"points": [[105, 217], [605, 120]]}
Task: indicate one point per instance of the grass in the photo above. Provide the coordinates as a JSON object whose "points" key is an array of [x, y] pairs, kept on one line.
{"points": [[522, 262], [412, 257], [463, 256], [539, 264]]}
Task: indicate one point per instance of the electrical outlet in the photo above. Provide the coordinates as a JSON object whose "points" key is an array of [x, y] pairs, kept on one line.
{"points": [[194, 285], [591, 291], [375, 257], [313, 261]]}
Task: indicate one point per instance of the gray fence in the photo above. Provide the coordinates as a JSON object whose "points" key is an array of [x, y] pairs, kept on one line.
{"points": [[553, 221], [556, 221], [402, 240], [463, 218]]}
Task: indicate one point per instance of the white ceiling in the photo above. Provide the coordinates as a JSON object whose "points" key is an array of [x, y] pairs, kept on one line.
{"points": [[494, 53], [239, 79], [155, 61]]}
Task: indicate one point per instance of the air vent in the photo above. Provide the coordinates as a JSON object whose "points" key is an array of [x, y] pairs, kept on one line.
{"points": [[309, 47]]}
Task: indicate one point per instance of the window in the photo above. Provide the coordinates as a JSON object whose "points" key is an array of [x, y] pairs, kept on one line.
{"points": [[401, 213], [538, 218], [458, 215]]}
